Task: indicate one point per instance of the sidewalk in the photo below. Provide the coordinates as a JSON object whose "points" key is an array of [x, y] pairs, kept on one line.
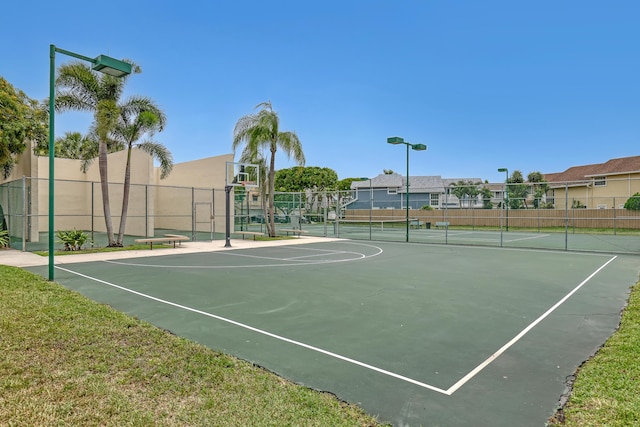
{"points": [[18, 258]]}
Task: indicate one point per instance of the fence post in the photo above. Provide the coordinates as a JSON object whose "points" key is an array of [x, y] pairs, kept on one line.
{"points": [[614, 216], [193, 213], [566, 216], [24, 213]]}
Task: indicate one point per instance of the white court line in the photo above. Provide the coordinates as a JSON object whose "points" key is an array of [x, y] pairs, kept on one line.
{"points": [[293, 261], [447, 392], [263, 332], [539, 236], [517, 338]]}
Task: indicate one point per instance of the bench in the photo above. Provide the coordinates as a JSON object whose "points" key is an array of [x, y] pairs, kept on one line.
{"points": [[166, 239], [416, 223], [249, 233], [442, 224], [294, 231]]}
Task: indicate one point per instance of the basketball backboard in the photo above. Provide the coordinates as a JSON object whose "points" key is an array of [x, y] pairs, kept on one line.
{"points": [[242, 175]]}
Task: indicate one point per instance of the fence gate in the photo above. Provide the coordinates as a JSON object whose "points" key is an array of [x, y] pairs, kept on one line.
{"points": [[203, 220]]}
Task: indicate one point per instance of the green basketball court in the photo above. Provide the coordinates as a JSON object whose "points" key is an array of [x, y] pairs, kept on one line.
{"points": [[416, 334]]}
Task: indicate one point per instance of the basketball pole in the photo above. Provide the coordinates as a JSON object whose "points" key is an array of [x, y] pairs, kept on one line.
{"points": [[227, 191]]}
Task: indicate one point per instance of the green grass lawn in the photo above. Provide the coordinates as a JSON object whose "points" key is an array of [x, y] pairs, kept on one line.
{"points": [[606, 391], [69, 361]]}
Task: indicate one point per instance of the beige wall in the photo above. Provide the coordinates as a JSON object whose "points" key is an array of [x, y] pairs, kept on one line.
{"points": [[192, 184], [74, 190], [614, 193], [153, 203]]}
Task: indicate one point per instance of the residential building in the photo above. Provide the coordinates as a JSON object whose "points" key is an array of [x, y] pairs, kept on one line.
{"points": [[596, 186], [389, 191]]}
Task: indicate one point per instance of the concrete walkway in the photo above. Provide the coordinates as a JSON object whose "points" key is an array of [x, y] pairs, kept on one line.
{"points": [[18, 258]]}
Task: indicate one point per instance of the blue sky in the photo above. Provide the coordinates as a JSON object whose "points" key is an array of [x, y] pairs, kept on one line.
{"points": [[528, 85]]}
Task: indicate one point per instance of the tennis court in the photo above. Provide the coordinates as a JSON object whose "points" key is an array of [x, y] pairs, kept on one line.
{"points": [[416, 334]]}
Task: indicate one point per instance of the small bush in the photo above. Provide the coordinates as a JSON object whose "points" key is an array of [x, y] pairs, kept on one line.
{"points": [[4, 238], [72, 239], [633, 204], [427, 208]]}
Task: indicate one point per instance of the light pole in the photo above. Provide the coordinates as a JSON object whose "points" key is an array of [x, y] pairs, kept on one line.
{"points": [[102, 63], [506, 193], [395, 140]]}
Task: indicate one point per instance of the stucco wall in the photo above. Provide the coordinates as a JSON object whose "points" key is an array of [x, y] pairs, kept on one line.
{"points": [[153, 203]]}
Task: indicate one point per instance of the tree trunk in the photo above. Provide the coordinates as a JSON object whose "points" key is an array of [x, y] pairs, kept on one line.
{"points": [[125, 197], [104, 186], [272, 174]]}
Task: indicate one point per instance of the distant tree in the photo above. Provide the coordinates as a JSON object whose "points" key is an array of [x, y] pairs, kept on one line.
{"points": [[539, 187], [74, 145], [633, 204], [301, 178], [465, 190], [487, 195], [388, 171], [21, 119], [517, 191], [345, 184]]}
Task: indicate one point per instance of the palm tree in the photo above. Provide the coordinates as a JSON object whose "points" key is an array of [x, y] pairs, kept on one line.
{"points": [[261, 131], [82, 89], [140, 116], [257, 159]]}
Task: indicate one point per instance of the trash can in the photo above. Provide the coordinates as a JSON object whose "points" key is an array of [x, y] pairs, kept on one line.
{"points": [[428, 225]]}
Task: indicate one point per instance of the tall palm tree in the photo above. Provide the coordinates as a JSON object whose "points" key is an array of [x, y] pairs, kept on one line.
{"points": [[261, 131], [81, 89], [140, 116]]}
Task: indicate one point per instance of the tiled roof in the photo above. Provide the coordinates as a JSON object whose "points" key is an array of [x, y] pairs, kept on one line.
{"points": [[583, 173]]}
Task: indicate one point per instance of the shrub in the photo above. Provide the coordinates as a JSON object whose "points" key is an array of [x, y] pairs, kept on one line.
{"points": [[72, 239], [4, 238], [633, 204], [426, 208]]}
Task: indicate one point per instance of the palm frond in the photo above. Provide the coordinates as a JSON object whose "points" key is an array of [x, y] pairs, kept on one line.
{"points": [[160, 153]]}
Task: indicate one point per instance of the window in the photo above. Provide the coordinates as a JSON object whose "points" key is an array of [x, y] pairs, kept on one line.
{"points": [[600, 181], [392, 191], [254, 197], [434, 199]]}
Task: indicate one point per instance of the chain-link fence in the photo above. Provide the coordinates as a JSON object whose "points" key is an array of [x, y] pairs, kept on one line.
{"points": [[570, 216], [151, 211]]}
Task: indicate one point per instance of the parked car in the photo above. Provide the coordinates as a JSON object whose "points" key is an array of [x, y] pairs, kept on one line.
{"points": [[282, 219], [257, 218]]}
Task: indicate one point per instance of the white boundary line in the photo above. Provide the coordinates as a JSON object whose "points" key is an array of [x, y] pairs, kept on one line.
{"points": [[517, 338], [447, 392], [263, 332]]}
